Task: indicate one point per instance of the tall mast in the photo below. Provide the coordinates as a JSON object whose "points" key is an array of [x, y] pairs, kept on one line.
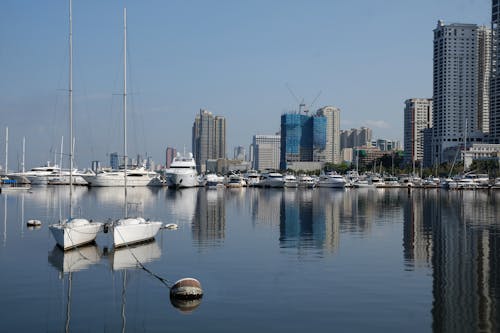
{"points": [[70, 92], [24, 154], [125, 157], [6, 150]]}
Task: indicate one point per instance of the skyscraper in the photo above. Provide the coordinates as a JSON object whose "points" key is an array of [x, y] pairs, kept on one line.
{"points": [[494, 125], [417, 118], [457, 92], [332, 149], [208, 138]]}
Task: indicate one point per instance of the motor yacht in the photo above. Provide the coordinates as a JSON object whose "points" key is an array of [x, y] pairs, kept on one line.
{"points": [[135, 177], [182, 172], [331, 179]]}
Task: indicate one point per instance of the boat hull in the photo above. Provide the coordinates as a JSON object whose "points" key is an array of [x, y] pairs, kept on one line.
{"points": [[134, 230], [71, 234]]}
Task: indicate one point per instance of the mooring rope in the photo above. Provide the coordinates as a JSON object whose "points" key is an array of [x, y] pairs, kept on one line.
{"points": [[166, 282]]}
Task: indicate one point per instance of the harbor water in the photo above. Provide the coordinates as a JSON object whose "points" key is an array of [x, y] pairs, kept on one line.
{"points": [[268, 260]]}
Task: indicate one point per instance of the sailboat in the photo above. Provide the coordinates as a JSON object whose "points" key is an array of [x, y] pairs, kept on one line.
{"points": [[73, 232], [130, 230]]}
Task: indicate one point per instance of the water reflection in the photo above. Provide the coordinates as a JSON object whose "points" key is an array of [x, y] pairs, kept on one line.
{"points": [[465, 261], [209, 222]]}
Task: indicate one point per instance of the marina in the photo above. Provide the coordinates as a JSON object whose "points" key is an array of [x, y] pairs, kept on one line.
{"points": [[280, 259]]}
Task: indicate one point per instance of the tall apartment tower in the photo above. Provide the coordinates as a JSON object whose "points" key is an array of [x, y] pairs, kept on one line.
{"points": [[266, 152], [457, 92], [494, 126], [208, 138], [332, 150], [417, 118]]}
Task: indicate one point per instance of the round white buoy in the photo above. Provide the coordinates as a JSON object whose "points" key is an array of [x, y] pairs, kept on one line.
{"points": [[34, 223], [171, 226], [186, 289]]}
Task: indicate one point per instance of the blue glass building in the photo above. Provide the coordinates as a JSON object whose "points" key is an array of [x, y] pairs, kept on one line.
{"points": [[302, 137]]}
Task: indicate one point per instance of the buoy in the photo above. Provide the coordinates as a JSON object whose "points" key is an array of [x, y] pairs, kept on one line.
{"points": [[185, 305], [171, 226], [34, 223], [186, 289]]}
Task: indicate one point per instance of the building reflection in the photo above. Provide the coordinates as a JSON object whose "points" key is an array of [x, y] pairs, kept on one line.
{"points": [[417, 228], [209, 221], [465, 262]]}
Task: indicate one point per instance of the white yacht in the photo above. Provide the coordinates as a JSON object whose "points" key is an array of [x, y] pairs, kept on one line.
{"points": [[213, 180], [290, 180], [272, 179], [307, 181], [135, 177], [36, 176], [362, 183], [331, 179], [252, 178], [182, 172], [235, 181]]}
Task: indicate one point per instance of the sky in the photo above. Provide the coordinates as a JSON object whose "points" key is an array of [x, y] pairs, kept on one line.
{"points": [[249, 61]]}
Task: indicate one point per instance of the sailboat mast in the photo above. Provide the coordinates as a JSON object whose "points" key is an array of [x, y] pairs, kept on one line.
{"points": [[125, 157], [24, 153], [70, 92], [6, 150]]}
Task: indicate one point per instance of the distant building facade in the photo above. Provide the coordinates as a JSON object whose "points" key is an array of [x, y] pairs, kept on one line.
{"points": [[239, 153], [332, 146], [114, 161], [355, 137], [266, 152], [208, 138], [417, 118], [169, 156]]}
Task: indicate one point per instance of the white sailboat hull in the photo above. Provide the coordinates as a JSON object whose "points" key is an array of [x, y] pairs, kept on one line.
{"points": [[75, 233], [134, 230]]}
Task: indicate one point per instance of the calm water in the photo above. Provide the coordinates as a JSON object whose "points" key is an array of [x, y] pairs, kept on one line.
{"points": [[268, 260]]}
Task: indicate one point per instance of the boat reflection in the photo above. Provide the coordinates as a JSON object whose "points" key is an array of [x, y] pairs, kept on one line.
{"points": [[131, 257], [74, 260]]}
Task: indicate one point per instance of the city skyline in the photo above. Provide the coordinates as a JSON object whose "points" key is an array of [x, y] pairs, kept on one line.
{"points": [[183, 57]]}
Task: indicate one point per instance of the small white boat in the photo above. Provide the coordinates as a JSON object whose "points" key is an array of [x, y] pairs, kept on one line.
{"points": [[363, 183], [235, 181], [134, 230], [290, 180], [306, 181], [213, 181]]}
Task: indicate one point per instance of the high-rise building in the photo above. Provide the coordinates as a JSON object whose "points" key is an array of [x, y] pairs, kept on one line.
{"points": [[303, 138], [114, 161], [417, 118], [266, 152], [332, 149], [494, 125], [457, 93], [169, 156], [208, 138]]}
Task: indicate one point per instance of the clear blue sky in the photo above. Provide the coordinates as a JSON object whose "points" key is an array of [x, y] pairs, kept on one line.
{"points": [[234, 58]]}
